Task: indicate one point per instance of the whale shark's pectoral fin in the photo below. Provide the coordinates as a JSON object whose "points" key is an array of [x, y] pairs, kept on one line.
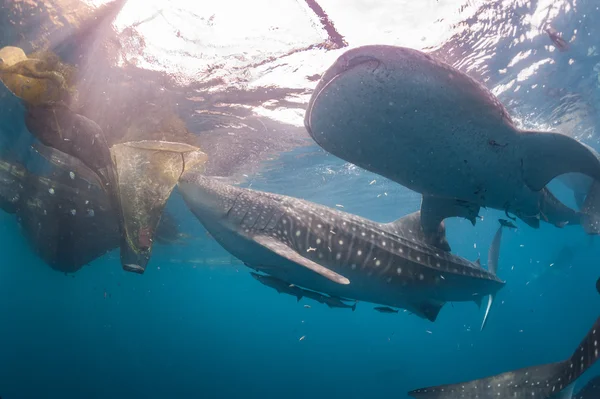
{"points": [[566, 393], [428, 309], [591, 210], [435, 209], [545, 155], [286, 252]]}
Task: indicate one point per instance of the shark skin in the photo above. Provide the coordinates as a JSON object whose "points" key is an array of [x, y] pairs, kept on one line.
{"points": [[337, 253], [404, 115], [554, 380]]}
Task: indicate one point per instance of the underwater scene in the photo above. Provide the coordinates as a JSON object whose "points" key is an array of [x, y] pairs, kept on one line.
{"points": [[299, 199]]}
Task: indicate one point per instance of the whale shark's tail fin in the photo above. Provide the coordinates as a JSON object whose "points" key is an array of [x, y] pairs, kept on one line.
{"points": [[546, 155], [493, 257], [541, 381]]}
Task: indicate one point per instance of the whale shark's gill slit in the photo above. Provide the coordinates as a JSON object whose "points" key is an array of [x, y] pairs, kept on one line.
{"points": [[368, 255], [270, 217], [233, 205]]}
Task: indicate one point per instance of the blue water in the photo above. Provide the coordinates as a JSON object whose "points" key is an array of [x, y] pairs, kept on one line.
{"points": [[195, 330], [185, 332]]}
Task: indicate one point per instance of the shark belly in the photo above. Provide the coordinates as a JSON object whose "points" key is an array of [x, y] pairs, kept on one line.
{"points": [[420, 126]]}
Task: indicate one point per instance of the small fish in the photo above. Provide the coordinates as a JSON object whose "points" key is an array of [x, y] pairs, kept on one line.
{"points": [[598, 285], [560, 43], [385, 309], [302, 338]]}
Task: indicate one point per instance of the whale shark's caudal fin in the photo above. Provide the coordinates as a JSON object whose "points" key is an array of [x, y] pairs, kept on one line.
{"points": [[286, 252], [545, 155], [591, 210], [493, 256], [553, 380], [410, 225]]}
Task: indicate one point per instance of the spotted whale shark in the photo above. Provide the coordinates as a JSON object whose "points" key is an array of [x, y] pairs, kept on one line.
{"points": [[337, 253], [554, 380], [402, 114]]}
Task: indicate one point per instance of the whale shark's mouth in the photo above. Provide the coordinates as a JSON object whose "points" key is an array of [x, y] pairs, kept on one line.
{"points": [[342, 65]]}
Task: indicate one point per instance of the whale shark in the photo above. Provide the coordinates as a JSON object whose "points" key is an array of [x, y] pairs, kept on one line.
{"points": [[337, 253], [404, 115], [554, 380]]}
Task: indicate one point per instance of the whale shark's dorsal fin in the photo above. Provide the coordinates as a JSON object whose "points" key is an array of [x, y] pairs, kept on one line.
{"points": [[410, 225], [546, 155], [286, 252]]}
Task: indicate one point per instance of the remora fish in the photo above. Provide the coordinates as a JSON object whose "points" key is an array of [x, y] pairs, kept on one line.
{"points": [[279, 285], [404, 115], [540, 382], [385, 309], [330, 301], [333, 252], [286, 288]]}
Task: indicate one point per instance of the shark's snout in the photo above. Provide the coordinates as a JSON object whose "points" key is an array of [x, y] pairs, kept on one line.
{"points": [[207, 196], [345, 63], [350, 61]]}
